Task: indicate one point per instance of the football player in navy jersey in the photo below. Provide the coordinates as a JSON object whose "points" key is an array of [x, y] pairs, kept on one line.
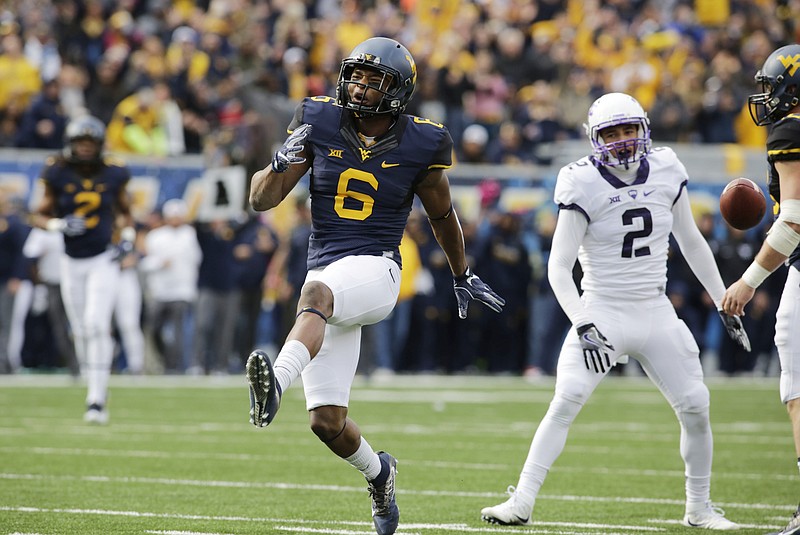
{"points": [[367, 160], [84, 194], [778, 105]]}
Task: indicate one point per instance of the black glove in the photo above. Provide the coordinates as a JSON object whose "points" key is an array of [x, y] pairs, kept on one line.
{"points": [[468, 287], [595, 348], [733, 324], [295, 143]]}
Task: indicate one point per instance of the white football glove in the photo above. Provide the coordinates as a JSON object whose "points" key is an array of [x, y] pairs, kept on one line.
{"points": [[70, 225], [294, 144]]}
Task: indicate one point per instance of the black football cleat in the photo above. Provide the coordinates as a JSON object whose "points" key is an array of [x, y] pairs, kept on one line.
{"points": [[265, 394], [385, 513]]}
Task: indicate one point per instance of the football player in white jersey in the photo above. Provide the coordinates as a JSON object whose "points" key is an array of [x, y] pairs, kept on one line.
{"points": [[779, 105], [617, 208]]}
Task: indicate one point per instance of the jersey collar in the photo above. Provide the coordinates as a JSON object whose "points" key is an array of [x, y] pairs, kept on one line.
{"points": [[641, 174]]}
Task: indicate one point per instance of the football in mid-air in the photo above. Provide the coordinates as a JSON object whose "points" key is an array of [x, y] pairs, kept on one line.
{"points": [[742, 204]]}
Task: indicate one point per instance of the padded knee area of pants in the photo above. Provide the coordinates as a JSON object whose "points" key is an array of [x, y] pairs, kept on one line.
{"points": [[694, 400], [574, 391], [96, 330], [563, 410]]}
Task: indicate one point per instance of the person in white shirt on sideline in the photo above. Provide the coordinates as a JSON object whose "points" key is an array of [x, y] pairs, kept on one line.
{"points": [[171, 265]]}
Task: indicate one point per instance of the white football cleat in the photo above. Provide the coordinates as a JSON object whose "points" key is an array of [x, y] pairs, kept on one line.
{"points": [[508, 513], [96, 414], [709, 518]]}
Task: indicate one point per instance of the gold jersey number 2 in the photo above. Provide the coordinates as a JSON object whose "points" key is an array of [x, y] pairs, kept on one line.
{"points": [[87, 203], [342, 193]]}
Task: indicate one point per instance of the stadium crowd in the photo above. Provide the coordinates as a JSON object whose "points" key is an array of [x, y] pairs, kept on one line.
{"points": [[509, 79]]}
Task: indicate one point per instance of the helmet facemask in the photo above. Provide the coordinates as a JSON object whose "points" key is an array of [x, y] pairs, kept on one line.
{"points": [[387, 87], [624, 152], [774, 102], [82, 129]]}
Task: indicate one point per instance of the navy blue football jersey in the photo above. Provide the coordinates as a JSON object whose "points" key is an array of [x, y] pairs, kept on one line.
{"points": [[361, 194], [91, 196], [783, 144]]}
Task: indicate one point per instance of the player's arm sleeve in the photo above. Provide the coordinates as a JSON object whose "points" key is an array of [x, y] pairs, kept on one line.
{"points": [[443, 155], [695, 249], [570, 230], [782, 144]]}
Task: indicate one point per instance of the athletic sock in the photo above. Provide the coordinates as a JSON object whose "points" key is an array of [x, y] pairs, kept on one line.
{"points": [[366, 461], [291, 361]]}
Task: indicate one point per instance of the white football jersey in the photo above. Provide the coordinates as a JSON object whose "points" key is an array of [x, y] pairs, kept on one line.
{"points": [[624, 251]]}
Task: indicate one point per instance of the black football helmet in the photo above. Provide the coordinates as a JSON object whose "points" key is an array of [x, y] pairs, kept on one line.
{"points": [[84, 127], [780, 83], [391, 59]]}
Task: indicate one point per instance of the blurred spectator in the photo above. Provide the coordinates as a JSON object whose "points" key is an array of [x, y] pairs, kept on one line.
{"points": [[292, 265], [736, 252], [537, 114], [391, 334], [46, 248], [473, 144], [23, 308], [106, 90], [692, 303], [433, 304], [576, 96], [256, 243], [637, 77], [73, 81], [487, 103], [171, 264], [43, 123], [147, 123], [41, 50], [13, 233], [548, 325], [670, 119], [128, 314], [186, 63], [19, 78], [503, 263], [518, 63], [509, 147], [217, 299], [147, 64]]}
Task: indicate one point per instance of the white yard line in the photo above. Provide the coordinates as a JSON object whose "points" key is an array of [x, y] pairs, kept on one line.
{"points": [[360, 490], [302, 526]]}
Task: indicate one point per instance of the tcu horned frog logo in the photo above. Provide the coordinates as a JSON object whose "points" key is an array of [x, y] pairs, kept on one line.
{"points": [[792, 63]]}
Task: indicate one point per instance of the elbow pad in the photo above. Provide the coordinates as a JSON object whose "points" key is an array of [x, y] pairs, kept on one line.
{"points": [[781, 236]]}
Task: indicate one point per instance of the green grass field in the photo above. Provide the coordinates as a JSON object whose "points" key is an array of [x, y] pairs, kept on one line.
{"points": [[179, 457]]}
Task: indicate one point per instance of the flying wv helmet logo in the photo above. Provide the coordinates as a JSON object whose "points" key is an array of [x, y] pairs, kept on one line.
{"points": [[791, 63], [365, 154], [372, 58], [413, 64]]}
